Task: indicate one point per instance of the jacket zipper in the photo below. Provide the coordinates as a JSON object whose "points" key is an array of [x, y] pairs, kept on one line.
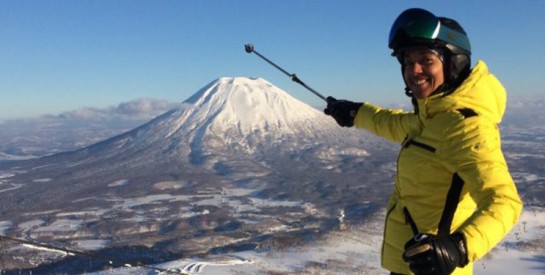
{"points": [[419, 145], [405, 144]]}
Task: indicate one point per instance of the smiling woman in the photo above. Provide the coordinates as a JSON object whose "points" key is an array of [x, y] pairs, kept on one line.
{"points": [[423, 71], [450, 162]]}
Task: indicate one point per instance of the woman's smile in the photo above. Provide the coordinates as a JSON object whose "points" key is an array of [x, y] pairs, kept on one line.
{"points": [[423, 72]]}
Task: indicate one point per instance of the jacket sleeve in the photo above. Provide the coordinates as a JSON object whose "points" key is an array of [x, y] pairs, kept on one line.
{"points": [[474, 152], [387, 123]]}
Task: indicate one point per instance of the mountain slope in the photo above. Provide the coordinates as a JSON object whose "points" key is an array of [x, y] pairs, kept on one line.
{"points": [[232, 126], [228, 117]]}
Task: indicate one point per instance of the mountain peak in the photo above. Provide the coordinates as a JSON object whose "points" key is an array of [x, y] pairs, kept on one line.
{"points": [[249, 104]]}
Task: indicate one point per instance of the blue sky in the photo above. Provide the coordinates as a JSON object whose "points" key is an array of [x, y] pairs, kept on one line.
{"points": [[57, 56]]}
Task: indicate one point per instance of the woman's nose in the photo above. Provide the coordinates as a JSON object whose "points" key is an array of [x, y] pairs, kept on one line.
{"points": [[414, 68]]}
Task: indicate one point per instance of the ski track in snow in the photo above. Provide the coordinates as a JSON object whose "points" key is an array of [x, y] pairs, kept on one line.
{"points": [[200, 266]]}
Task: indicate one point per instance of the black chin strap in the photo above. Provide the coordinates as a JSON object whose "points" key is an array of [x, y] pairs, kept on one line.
{"points": [[408, 92]]}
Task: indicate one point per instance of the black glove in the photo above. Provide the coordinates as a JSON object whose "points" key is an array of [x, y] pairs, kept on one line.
{"points": [[430, 254], [343, 111]]}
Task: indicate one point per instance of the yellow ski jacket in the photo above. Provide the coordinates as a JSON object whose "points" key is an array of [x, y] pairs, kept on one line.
{"points": [[449, 136]]}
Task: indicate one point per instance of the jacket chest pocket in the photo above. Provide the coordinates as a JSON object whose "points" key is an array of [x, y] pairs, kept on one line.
{"points": [[416, 160], [411, 142]]}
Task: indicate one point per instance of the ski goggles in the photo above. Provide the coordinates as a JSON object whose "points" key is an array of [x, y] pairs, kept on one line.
{"points": [[422, 24], [414, 23]]}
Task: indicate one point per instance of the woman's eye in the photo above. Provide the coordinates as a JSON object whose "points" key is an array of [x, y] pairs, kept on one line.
{"points": [[420, 60], [427, 60]]}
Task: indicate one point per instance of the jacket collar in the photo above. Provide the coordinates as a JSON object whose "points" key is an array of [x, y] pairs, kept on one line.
{"points": [[480, 92]]}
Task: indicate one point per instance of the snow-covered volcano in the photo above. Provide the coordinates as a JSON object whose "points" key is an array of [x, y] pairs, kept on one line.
{"points": [[230, 117], [233, 128], [249, 105], [244, 114]]}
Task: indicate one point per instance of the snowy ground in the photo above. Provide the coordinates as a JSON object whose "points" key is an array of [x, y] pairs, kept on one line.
{"points": [[522, 251], [350, 250], [356, 251]]}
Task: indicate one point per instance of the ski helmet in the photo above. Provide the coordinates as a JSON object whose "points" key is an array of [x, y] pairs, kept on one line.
{"points": [[420, 28]]}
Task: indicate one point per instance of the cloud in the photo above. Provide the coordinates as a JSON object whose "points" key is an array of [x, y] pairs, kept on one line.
{"points": [[525, 111], [527, 103], [75, 129], [138, 109]]}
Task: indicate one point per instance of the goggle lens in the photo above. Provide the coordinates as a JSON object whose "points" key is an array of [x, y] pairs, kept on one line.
{"points": [[416, 23]]}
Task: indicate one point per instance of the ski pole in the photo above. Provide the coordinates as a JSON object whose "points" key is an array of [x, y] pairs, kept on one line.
{"points": [[250, 49]]}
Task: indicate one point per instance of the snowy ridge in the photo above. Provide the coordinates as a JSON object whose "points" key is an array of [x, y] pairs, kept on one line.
{"points": [[244, 109], [243, 115], [250, 104]]}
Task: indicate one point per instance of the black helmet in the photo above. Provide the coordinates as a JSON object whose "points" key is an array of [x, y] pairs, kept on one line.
{"points": [[421, 28]]}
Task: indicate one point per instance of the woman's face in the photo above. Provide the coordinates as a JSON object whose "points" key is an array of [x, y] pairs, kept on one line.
{"points": [[423, 72]]}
